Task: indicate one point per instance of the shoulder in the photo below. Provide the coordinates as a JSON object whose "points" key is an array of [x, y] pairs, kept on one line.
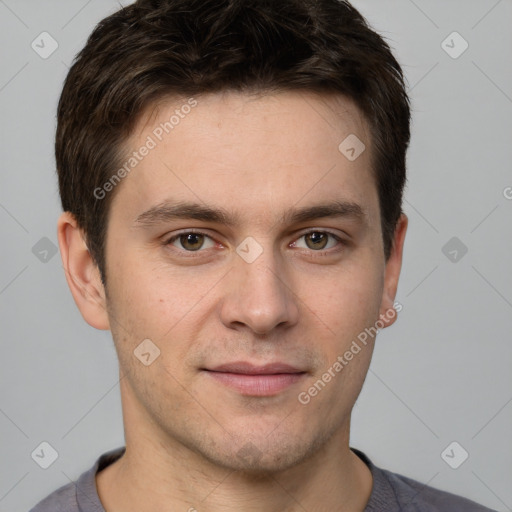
{"points": [[61, 500], [415, 496], [395, 492], [82, 495]]}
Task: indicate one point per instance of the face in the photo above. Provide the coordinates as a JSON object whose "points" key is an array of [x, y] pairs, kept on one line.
{"points": [[257, 285]]}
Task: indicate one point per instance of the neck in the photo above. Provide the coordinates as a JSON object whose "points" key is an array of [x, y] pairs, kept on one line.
{"points": [[151, 481], [160, 473]]}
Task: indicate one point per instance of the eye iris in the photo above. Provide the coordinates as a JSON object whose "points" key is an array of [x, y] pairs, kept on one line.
{"points": [[192, 239], [319, 240]]}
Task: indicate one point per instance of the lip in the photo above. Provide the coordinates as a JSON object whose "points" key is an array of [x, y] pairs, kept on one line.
{"points": [[256, 380], [246, 368]]}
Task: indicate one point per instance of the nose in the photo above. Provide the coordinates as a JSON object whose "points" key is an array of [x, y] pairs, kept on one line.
{"points": [[258, 295]]}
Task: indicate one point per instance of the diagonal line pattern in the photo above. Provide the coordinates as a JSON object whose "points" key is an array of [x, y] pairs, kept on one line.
{"points": [[217, 486], [281, 280], [97, 402], [404, 403], [14, 218], [13, 13], [76, 14], [421, 215], [501, 409], [13, 279], [16, 425], [492, 286], [486, 14], [485, 218], [198, 402], [83, 493], [508, 507], [289, 494], [14, 76], [409, 502], [5, 495], [492, 81], [184, 184], [424, 13], [423, 280], [319, 114], [282, 421], [423, 77]]}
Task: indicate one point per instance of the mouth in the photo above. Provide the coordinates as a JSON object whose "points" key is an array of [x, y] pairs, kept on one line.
{"points": [[253, 380]]}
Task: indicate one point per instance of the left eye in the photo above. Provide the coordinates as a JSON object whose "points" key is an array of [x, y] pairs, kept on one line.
{"points": [[193, 241], [318, 240]]}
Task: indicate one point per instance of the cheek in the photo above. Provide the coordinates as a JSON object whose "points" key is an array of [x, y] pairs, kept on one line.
{"points": [[144, 291], [347, 303], [151, 300], [348, 306]]}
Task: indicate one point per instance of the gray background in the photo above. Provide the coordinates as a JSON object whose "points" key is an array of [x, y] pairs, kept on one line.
{"points": [[440, 374]]}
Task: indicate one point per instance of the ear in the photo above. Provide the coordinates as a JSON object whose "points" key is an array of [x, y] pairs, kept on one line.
{"points": [[392, 273], [82, 273]]}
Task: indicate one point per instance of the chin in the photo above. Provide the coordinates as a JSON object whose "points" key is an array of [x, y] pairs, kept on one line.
{"points": [[264, 456]]}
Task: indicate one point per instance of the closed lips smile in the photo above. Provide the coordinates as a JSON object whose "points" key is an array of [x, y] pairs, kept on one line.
{"points": [[252, 380]]}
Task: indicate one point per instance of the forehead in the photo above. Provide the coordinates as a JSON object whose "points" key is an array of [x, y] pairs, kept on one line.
{"points": [[257, 155]]}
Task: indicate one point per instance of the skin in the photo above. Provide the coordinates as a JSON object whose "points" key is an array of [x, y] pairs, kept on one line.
{"points": [[256, 156]]}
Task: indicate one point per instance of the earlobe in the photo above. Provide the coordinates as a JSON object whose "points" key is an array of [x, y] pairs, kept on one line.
{"points": [[82, 273], [388, 313]]}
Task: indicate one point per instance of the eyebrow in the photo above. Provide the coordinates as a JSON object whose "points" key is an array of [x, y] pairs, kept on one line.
{"points": [[169, 211]]}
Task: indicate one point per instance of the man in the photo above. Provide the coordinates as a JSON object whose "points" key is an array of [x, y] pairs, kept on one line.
{"points": [[231, 174]]}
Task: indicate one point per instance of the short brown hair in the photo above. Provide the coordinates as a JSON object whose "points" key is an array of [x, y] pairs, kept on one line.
{"points": [[155, 48]]}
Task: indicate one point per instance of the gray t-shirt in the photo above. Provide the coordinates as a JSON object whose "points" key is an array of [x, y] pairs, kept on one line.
{"points": [[391, 492]]}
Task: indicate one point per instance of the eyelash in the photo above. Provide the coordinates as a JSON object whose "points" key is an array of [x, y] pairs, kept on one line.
{"points": [[195, 254]]}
